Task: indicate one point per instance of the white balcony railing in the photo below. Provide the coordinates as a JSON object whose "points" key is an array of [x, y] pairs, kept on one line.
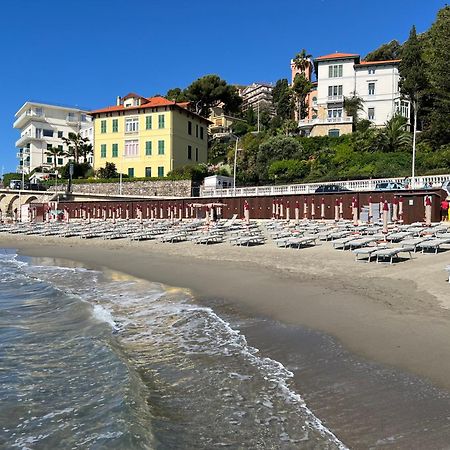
{"points": [[335, 98], [30, 114], [435, 181], [71, 118], [324, 121]]}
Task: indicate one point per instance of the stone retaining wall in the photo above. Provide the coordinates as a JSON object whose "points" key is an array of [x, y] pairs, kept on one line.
{"points": [[179, 188]]}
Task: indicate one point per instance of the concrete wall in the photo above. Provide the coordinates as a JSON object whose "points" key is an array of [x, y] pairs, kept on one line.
{"points": [[181, 188]]}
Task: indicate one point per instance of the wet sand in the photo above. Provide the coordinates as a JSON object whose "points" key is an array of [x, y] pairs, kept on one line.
{"points": [[381, 354]]}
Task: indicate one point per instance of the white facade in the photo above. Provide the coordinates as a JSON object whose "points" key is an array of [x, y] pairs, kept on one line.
{"points": [[43, 126], [257, 96], [343, 75]]}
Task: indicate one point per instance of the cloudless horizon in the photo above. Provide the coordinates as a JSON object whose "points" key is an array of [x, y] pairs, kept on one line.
{"points": [[88, 52]]}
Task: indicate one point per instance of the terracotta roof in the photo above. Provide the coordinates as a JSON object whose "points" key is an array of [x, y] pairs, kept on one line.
{"points": [[132, 95], [151, 102], [373, 63], [337, 55]]}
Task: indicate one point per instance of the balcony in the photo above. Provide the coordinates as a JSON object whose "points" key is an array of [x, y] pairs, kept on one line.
{"points": [[309, 123], [72, 119], [335, 98], [31, 114]]}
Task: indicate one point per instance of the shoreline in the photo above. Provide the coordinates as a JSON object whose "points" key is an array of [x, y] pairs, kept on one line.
{"points": [[393, 315]]}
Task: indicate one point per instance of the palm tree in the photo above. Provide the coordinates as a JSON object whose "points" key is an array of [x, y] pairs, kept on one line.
{"points": [[394, 137], [302, 60], [54, 152], [352, 106], [77, 146]]}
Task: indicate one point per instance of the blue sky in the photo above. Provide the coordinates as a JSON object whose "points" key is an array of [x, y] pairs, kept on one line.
{"points": [[86, 52]]}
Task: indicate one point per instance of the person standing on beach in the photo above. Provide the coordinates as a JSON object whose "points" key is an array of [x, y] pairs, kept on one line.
{"points": [[444, 210]]}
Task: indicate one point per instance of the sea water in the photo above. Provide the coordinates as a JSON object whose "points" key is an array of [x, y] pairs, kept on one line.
{"points": [[99, 359]]}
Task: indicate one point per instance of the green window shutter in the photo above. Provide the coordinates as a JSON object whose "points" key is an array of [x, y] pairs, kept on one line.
{"points": [[148, 148], [103, 151], [103, 126], [161, 123], [115, 125], [148, 122], [49, 159], [160, 147], [160, 172], [115, 150], [148, 172], [131, 172]]}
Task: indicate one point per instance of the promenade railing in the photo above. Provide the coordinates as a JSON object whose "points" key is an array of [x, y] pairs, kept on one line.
{"points": [[434, 181]]}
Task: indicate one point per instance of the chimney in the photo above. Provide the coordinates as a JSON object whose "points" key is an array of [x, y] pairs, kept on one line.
{"points": [[119, 100]]}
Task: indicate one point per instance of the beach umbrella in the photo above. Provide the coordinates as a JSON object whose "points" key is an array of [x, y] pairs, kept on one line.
{"points": [[89, 215], [127, 212], [395, 209], [273, 209], [297, 211], [288, 211], [400, 209], [281, 209], [370, 214], [341, 208], [313, 209], [246, 211], [1, 215], [428, 210], [277, 209], [380, 211], [305, 208], [336, 210], [385, 217], [355, 211], [322, 208], [104, 213], [161, 211]]}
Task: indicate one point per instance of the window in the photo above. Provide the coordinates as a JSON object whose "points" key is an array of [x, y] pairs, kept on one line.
{"points": [[196, 131], [371, 113], [131, 172], [148, 172], [335, 91], [201, 132], [333, 133], [402, 108], [334, 114], [115, 150], [60, 162], [371, 71], [115, 125], [103, 126], [47, 133], [189, 152], [335, 71], [49, 159], [160, 147], [371, 88], [131, 125], [148, 122], [60, 148], [60, 134], [189, 127], [49, 146], [196, 154], [83, 118], [148, 148], [131, 148], [103, 151], [161, 123], [314, 101], [160, 172]]}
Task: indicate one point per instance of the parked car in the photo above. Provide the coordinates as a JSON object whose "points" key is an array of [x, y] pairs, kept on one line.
{"points": [[329, 188], [389, 186]]}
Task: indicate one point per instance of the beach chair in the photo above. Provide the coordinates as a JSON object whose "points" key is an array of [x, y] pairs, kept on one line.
{"points": [[342, 242], [391, 253], [367, 252], [302, 241], [433, 244]]}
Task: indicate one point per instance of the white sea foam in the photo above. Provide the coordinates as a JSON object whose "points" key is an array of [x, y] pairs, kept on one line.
{"points": [[103, 315]]}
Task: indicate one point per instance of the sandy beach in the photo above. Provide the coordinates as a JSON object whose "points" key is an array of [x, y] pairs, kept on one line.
{"points": [[396, 316]]}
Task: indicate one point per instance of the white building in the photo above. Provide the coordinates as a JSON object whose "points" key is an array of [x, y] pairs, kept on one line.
{"points": [[341, 75], [43, 126], [257, 96]]}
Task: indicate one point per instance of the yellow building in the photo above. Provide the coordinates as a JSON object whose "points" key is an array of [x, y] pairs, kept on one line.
{"points": [[148, 137]]}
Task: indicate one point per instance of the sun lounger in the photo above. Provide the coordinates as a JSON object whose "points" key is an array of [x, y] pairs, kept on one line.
{"points": [[391, 253], [398, 236], [360, 242], [433, 244], [366, 251], [414, 242], [341, 243], [302, 241]]}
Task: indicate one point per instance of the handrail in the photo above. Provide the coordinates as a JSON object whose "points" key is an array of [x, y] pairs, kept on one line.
{"points": [[434, 181]]}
